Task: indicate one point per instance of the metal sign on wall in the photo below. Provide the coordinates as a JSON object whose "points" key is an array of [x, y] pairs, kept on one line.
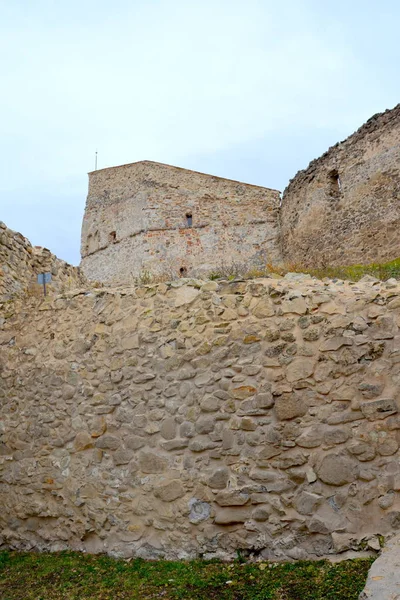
{"points": [[43, 278]]}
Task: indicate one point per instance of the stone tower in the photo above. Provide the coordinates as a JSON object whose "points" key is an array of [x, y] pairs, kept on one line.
{"points": [[151, 217]]}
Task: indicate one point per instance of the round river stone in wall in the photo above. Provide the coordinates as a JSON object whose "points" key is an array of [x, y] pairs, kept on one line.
{"points": [[336, 469]]}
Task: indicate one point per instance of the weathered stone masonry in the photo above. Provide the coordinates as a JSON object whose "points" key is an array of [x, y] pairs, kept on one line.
{"points": [[181, 420], [196, 418], [149, 217], [343, 209], [20, 264]]}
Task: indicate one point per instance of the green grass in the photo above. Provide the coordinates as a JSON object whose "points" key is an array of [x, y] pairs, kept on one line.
{"points": [[382, 271], [70, 575]]}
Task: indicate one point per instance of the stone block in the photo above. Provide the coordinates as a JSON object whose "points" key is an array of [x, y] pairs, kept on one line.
{"points": [[290, 407], [378, 409], [83, 441], [337, 470], [108, 442], [170, 490], [232, 498], [243, 391], [300, 368], [230, 516], [150, 462], [219, 478]]}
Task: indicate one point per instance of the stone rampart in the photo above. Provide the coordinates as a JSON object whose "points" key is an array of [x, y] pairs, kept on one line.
{"points": [[201, 418], [150, 217], [20, 264], [345, 207]]}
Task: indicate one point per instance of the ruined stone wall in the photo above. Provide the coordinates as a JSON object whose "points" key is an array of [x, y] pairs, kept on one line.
{"points": [[180, 420], [345, 207], [136, 220], [20, 263]]}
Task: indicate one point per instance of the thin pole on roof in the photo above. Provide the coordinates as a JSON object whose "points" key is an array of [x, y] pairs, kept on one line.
{"points": [[95, 161]]}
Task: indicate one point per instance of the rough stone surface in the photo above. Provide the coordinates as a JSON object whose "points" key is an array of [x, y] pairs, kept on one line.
{"points": [[150, 219], [383, 582], [344, 207], [135, 424], [289, 407], [379, 409], [21, 263], [336, 469], [147, 217], [198, 417]]}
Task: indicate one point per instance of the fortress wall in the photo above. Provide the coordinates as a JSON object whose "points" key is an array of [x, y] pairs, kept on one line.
{"points": [[345, 207], [197, 250], [180, 421], [144, 206], [20, 263]]}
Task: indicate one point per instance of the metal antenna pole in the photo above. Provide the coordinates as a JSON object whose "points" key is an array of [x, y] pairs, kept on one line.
{"points": [[95, 161]]}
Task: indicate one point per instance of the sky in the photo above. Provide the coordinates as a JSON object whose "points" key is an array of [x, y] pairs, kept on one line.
{"points": [[246, 89]]}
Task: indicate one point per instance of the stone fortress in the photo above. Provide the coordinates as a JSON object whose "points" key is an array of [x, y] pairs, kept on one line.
{"points": [[345, 207], [195, 417], [152, 218]]}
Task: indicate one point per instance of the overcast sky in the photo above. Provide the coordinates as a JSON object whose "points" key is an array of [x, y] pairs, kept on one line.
{"points": [[247, 89]]}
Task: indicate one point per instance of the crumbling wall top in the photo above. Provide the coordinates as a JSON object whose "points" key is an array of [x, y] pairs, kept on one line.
{"points": [[372, 130]]}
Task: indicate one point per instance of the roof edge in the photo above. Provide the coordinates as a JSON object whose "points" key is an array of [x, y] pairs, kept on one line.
{"points": [[153, 162]]}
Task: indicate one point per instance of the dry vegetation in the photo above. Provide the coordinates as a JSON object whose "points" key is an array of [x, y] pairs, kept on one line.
{"points": [[241, 271]]}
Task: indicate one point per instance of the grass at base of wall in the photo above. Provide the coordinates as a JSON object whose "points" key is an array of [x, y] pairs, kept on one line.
{"points": [[73, 576], [382, 271]]}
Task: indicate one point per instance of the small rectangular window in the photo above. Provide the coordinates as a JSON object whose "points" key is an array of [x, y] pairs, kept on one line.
{"points": [[189, 219], [335, 185]]}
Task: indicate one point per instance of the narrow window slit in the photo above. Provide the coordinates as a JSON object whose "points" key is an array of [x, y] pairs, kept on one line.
{"points": [[335, 184], [189, 219]]}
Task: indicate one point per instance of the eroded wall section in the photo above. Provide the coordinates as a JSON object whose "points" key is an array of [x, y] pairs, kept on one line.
{"points": [[20, 264], [199, 420], [149, 217], [345, 207]]}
